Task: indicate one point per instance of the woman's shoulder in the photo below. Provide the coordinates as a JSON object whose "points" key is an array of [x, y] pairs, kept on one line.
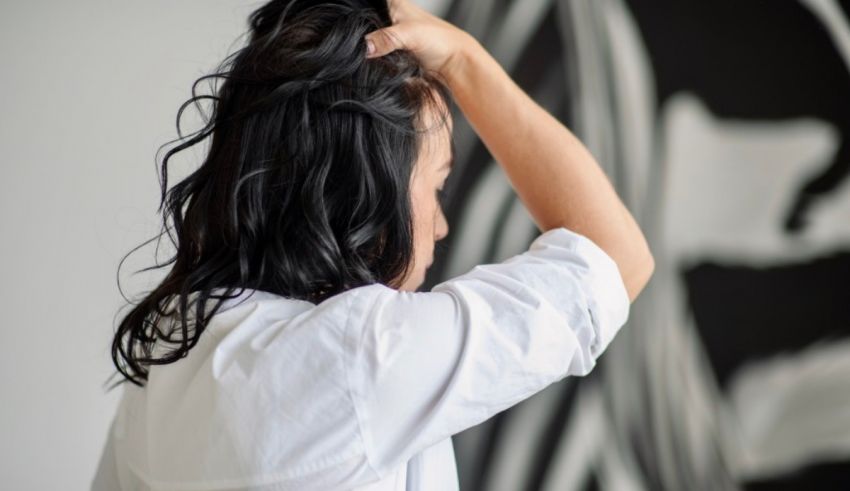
{"points": [[263, 395]]}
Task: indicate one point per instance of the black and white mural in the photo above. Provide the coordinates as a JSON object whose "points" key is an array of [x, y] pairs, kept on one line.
{"points": [[725, 126]]}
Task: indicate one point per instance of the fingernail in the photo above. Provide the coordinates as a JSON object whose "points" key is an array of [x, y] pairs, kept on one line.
{"points": [[370, 47]]}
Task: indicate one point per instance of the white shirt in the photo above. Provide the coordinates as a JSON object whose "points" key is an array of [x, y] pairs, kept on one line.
{"points": [[365, 390]]}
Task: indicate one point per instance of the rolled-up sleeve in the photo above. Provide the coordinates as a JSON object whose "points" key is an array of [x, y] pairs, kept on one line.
{"points": [[422, 366]]}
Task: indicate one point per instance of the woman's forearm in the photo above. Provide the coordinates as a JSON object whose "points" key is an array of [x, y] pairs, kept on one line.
{"points": [[553, 173]]}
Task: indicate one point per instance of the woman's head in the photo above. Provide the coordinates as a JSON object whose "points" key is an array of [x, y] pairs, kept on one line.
{"points": [[321, 174], [330, 140]]}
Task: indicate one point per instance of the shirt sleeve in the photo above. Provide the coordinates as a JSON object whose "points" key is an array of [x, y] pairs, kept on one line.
{"points": [[423, 366]]}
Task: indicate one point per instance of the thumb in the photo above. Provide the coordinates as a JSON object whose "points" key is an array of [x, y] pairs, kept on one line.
{"points": [[382, 41]]}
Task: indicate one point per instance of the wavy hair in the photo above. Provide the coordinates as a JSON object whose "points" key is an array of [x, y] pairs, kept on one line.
{"points": [[304, 191]]}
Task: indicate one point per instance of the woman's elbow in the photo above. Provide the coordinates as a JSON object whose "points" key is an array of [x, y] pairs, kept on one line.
{"points": [[641, 273]]}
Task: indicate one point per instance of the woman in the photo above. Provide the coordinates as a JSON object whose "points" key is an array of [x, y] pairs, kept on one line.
{"points": [[312, 222]]}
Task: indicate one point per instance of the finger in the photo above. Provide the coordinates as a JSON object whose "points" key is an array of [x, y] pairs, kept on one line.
{"points": [[383, 41]]}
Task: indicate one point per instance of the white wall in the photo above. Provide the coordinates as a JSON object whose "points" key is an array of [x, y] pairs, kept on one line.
{"points": [[89, 90]]}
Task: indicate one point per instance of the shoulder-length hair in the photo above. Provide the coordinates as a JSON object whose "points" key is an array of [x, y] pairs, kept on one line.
{"points": [[304, 191]]}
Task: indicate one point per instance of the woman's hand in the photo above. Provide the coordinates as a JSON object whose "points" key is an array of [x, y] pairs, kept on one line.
{"points": [[433, 40]]}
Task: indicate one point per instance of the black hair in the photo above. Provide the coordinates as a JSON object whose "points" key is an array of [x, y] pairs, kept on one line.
{"points": [[304, 191]]}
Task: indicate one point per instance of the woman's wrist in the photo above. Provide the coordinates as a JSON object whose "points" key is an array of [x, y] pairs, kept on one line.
{"points": [[456, 69]]}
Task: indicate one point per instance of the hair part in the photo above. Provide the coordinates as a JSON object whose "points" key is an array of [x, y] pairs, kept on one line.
{"points": [[304, 191]]}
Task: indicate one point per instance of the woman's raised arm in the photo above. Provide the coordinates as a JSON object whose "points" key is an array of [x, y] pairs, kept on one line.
{"points": [[553, 173]]}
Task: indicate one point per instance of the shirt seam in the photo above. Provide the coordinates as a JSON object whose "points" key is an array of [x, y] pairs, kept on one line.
{"points": [[349, 350]]}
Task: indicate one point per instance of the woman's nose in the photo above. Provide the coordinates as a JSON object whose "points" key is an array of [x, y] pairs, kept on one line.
{"points": [[442, 228]]}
